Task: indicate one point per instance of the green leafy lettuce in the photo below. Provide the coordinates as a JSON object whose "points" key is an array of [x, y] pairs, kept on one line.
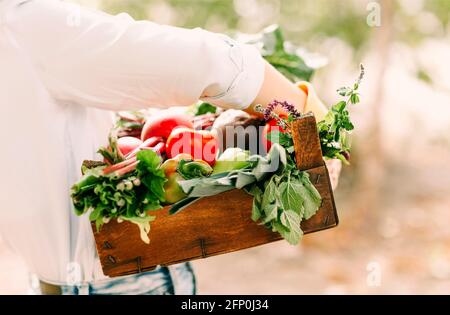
{"points": [[129, 197]]}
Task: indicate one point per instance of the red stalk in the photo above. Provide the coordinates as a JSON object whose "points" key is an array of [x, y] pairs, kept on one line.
{"points": [[160, 148], [127, 169], [115, 167], [150, 142]]}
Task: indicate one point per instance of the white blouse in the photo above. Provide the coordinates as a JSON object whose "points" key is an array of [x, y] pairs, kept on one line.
{"points": [[63, 69]]}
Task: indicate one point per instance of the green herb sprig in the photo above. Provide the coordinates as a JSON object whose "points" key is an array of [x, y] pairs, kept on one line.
{"points": [[333, 130], [336, 126]]}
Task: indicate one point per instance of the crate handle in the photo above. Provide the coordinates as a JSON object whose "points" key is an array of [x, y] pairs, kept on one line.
{"points": [[308, 152]]}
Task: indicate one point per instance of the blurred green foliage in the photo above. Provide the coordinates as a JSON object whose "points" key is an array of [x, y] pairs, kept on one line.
{"points": [[441, 9], [304, 22], [301, 20]]}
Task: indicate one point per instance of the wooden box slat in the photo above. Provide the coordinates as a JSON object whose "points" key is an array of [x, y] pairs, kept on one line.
{"points": [[212, 225]]}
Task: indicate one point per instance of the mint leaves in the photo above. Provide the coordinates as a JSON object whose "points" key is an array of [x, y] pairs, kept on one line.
{"points": [[284, 201], [334, 129]]}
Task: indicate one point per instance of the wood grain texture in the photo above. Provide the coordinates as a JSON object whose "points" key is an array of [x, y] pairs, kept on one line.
{"points": [[211, 226], [308, 153]]}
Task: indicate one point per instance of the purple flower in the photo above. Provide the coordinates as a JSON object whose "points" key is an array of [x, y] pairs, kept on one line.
{"points": [[292, 111]]}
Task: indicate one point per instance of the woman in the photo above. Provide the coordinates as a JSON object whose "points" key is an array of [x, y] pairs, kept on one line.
{"points": [[63, 70]]}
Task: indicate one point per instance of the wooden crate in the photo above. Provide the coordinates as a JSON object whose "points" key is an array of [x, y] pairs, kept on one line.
{"points": [[213, 225]]}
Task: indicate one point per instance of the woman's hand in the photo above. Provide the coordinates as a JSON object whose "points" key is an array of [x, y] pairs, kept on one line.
{"points": [[334, 169], [277, 87]]}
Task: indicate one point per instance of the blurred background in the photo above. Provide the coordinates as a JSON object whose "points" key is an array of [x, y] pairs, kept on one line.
{"points": [[394, 200]]}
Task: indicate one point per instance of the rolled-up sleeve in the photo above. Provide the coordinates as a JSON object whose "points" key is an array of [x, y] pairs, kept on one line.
{"points": [[114, 62]]}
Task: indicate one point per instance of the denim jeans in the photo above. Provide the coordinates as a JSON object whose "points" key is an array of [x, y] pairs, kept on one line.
{"points": [[176, 279]]}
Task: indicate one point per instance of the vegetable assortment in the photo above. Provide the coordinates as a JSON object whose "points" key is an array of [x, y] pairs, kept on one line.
{"points": [[140, 174], [173, 158], [171, 163]]}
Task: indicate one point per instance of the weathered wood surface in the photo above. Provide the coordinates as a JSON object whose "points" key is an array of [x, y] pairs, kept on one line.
{"points": [[308, 153], [212, 225]]}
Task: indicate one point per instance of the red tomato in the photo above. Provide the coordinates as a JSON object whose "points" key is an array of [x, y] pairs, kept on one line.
{"points": [[128, 144], [162, 124], [271, 125], [201, 144]]}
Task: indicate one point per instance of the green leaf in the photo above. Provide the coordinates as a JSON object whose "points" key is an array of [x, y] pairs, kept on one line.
{"points": [[310, 195], [87, 182], [107, 155], [292, 235], [204, 108], [282, 138], [291, 197], [189, 169], [157, 187], [290, 219], [339, 107], [149, 160], [99, 223], [274, 136], [269, 195], [343, 91], [278, 227], [257, 194], [150, 173], [335, 127], [152, 206], [256, 212], [96, 213], [273, 48], [354, 98], [114, 147], [270, 212]]}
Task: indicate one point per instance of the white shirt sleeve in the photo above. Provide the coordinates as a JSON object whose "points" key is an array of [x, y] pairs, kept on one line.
{"points": [[117, 63]]}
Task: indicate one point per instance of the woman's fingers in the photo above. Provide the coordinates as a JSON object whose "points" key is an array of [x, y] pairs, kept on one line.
{"points": [[334, 169]]}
